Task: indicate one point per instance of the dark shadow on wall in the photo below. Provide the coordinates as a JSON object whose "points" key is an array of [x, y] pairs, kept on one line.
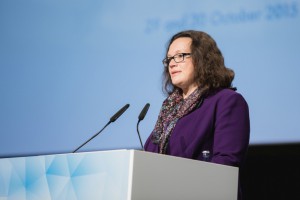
{"points": [[272, 172]]}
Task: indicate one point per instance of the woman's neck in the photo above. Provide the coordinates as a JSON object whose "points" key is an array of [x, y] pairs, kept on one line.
{"points": [[186, 92]]}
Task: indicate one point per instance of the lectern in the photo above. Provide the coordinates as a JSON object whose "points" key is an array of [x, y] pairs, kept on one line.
{"points": [[116, 174]]}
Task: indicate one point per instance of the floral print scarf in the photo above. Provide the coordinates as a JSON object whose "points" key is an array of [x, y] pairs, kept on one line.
{"points": [[173, 108]]}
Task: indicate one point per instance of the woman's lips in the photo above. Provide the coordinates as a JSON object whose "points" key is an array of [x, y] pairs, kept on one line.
{"points": [[175, 73]]}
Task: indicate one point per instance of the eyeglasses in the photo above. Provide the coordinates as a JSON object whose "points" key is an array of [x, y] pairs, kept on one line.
{"points": [[177, 58]]}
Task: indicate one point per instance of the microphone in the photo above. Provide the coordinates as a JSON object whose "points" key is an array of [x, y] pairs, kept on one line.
{"points": [[144, 112], [119, 113], [140, 118], [112, 119]]}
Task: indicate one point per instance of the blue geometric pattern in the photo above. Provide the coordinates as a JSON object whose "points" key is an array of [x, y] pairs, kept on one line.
{"points": [[88, 176]]}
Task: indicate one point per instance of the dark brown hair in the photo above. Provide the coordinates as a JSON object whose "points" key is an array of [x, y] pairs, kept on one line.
{"points": [[210, 70]]}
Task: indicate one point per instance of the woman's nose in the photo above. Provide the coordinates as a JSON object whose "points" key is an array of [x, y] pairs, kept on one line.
{"points": [[172, 63]]}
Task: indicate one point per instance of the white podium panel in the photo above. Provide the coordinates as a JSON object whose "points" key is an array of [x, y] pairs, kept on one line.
{"points": [[166, 177], [117, 174]]}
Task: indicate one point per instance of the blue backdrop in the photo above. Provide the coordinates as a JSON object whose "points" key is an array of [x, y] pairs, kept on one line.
{"points": [[67, 66]]}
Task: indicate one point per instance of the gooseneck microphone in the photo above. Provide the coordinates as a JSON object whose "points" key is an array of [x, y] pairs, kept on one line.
{"points": [[118, 114], [112, 119], [141, 117]]}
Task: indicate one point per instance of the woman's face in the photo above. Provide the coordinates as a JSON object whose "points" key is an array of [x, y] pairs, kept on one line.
{"points": [[182, 73]]}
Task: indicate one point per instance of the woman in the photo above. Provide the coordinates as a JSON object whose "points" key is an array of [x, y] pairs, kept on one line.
{"points": [[203, 118]]}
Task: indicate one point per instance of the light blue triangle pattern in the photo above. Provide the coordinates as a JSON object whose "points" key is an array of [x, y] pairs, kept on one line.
{"points": [[93, 175]]}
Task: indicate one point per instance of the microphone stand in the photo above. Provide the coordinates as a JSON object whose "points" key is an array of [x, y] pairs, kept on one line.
{"points": [[92, 137], [112, 119], [137, 128], [141, 117]]}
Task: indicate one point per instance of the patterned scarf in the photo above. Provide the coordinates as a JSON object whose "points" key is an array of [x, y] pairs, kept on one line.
{"points": [[173, 108]]}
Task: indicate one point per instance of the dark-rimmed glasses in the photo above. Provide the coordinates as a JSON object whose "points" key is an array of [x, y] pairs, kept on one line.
{"points": [[177, 58]]}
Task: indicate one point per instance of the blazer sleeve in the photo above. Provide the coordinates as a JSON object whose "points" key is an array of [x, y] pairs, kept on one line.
{"points": [[231, 131]]}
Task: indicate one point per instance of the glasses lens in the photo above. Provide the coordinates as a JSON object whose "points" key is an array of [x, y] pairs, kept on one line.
{"points": [[179, 57], [166, 62]]}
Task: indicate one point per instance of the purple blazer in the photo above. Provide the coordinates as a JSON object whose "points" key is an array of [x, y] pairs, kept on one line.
{"points": [[220, 125]]}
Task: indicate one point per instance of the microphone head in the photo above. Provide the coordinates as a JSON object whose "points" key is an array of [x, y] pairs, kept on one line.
{"points": [[119, 113], [144, 112]]}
